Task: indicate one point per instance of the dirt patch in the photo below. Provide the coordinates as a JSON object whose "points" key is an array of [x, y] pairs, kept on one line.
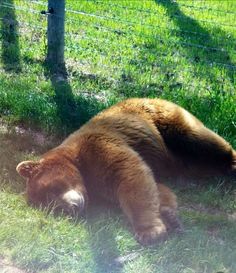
{"points": [[27, 138], [39, 138], [7, 267], [18, 144]]}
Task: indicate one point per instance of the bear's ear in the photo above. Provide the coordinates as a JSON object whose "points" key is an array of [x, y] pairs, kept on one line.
{"points": [[26, 168]]}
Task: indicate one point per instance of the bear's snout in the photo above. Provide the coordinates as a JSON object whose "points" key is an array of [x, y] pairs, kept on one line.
{"points": [[73, 201]]}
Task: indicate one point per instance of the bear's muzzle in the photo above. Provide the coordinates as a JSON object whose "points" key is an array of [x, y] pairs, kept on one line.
{"points": [[73, 202]]}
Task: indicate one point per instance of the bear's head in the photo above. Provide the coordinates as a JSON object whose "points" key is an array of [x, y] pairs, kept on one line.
{"points": [[55, 184]]}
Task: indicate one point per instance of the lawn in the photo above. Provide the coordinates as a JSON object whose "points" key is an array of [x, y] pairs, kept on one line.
{"points": [[183, 51]]}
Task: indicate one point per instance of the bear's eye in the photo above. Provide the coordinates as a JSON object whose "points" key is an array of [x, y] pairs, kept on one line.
{"points": [[55, 189]]}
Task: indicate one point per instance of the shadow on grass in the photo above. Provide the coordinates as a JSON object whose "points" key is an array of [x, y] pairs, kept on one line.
{"points": [[102, 239], [186, 24], [67, 107], [73, 110], [18, 144], [10, 38]]}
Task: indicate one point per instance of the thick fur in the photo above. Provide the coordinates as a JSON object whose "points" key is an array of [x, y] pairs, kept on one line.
{"points": [[123, 153]]}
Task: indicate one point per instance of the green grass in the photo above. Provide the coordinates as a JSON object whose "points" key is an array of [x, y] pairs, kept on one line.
{"points": [[128, 49], [113, 55], [216, 194]]}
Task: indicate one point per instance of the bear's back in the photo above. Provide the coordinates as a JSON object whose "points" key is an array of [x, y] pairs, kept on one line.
{"points": [[133, 123], [168, 138]]}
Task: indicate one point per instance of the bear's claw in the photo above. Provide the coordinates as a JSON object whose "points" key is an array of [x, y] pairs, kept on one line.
{"points": [[151, 235]]}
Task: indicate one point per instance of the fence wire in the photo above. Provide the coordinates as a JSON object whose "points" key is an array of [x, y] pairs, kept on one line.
{"points": [[93, 37]]}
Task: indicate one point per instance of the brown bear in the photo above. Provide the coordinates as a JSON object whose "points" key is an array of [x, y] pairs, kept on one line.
{"points": [[122, 154]]}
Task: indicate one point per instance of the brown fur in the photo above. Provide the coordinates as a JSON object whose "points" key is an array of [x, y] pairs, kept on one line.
{"points": [[122, 153]]}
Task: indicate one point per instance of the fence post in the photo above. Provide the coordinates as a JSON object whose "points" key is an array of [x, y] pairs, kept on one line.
{"points": [[55, 33]]}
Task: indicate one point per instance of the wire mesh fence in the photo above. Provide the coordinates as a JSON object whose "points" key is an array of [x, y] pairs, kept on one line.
{"points": [[144, 45]]}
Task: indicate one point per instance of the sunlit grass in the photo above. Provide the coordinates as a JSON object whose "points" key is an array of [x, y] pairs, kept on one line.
{"points": [[112, 55]]}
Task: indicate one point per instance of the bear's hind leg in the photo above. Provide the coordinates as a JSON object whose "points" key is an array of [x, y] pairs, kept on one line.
{"points": [[202, 151], [168, 209]]}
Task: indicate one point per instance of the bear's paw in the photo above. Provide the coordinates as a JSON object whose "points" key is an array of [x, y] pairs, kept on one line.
{"points": [[151, 235]]}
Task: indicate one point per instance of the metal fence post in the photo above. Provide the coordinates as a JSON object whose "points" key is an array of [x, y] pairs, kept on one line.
{"points": [[55, 33]]}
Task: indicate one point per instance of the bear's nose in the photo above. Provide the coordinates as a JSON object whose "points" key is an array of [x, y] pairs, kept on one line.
{"points": [[74, 200]]}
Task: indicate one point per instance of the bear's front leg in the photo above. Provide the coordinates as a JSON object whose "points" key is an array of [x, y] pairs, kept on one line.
{"points": [[120, 168], [139, 199]]}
